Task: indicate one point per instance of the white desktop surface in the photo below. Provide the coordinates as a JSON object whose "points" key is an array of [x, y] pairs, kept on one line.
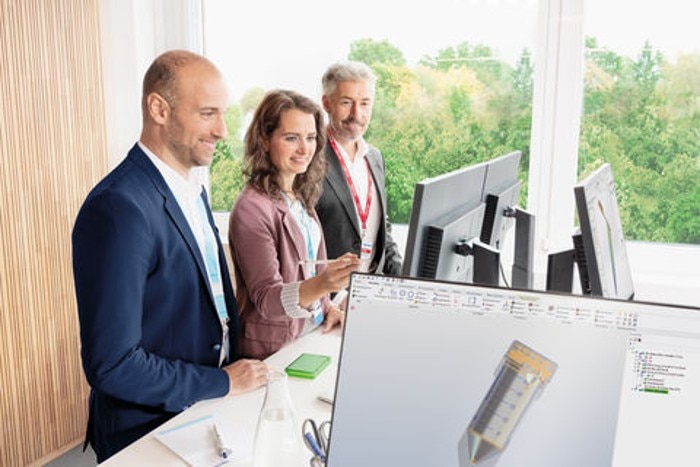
{"points": [[240, 413]]}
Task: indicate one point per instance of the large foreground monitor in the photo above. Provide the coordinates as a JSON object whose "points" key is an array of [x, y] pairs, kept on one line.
{"points": [[459, 375], [602, 255]]}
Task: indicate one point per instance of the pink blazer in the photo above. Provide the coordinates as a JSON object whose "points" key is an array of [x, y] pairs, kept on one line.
{"points": [[266, 247]]}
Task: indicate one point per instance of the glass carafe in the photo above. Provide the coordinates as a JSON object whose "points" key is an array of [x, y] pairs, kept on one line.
{"points": [[278, 436]]}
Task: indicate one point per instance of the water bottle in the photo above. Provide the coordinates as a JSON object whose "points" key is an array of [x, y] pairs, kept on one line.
{"points": [[278, 436]]}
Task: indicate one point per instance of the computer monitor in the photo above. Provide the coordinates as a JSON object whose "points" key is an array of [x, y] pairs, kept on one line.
{"points": [[501, 194], [602, 252], [461, 375], [439, 202], [447, 213], [449, 246]]}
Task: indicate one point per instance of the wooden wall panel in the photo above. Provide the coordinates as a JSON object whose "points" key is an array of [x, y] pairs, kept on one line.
{"points": [[52, 151]]}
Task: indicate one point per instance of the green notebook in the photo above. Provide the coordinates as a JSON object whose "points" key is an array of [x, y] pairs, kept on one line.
{"points": [[308, 365]]}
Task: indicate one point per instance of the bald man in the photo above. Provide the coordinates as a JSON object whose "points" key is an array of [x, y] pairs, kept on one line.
{"points": [[158, 318]]}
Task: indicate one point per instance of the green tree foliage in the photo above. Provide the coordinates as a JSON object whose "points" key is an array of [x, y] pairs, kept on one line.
{"points": [[225, 175], [373, 52], [455, 109], [639, 116], [464, 105], [479, 58]]}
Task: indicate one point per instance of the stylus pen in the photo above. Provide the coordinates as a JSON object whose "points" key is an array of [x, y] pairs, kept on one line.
{"points": [[310, 262]]}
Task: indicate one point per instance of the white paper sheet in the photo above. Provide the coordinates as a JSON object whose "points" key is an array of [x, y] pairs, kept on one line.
{"points": [[196, 443]]}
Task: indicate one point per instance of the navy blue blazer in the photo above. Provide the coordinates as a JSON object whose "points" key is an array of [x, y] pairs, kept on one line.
{"points": [[149, 329]]}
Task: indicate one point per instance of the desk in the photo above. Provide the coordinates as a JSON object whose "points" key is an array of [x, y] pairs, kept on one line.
{"points": [[240, 413]]}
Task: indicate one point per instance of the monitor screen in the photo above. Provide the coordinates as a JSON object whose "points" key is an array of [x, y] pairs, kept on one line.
{"points": [[602, 252], [457, 375]]}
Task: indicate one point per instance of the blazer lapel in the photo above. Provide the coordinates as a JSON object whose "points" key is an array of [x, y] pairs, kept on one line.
{"points": [[336, 179], [173, 209], [377, 171], [178, 218]]}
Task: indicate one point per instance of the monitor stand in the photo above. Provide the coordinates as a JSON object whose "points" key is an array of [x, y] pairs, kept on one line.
{"points": [[486, 264], [560, 271], [560, 268], [524, 251]]}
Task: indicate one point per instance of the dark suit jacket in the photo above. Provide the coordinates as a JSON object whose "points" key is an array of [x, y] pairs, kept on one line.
{"points": [[150, 333], [336, 211]]}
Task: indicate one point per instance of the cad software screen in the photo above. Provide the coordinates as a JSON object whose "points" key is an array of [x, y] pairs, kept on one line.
{"points": [[435, 373]]}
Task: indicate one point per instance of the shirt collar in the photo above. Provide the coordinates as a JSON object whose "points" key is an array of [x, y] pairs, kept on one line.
{"points": [[362, 149], [183, 188]]}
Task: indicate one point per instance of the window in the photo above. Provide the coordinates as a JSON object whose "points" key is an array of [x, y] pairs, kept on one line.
{"points": [[454, 78], [438, 109], [642, 113], [273, 43]]}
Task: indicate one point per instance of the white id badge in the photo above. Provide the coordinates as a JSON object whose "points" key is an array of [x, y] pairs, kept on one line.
{"points": [[366, 254]]}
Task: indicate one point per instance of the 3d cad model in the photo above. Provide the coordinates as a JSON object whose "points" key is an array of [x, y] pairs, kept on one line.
{"points": [[520, 377]]}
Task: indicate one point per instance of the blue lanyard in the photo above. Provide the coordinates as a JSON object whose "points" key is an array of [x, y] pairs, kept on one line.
{"points": [[304, 220], [309, 245]]}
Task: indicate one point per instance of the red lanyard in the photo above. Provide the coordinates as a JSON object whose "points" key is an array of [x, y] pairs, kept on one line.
{"points": [[363, 213]]}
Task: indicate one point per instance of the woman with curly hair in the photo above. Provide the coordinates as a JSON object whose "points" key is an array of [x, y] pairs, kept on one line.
{"points": [[274, 234]]}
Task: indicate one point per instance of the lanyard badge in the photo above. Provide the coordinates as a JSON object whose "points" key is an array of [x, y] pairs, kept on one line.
{"points": [[362, 211], [366, 249]]}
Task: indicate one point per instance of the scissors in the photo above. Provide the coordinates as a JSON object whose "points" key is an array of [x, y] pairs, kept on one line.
{"points": [[316, 439]]}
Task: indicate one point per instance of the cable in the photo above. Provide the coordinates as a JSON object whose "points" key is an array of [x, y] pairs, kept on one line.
{"points": [[503, 274]]}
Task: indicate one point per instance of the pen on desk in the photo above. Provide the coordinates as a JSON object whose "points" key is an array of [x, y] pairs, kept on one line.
{"points": [[224, 452], [325, 399]]}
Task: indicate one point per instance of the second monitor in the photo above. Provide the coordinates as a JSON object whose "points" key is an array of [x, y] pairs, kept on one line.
{"points": [[459, 222]]}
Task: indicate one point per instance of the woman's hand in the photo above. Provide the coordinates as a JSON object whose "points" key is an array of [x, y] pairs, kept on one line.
{"points": [[336, 275], [334, 317]]}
